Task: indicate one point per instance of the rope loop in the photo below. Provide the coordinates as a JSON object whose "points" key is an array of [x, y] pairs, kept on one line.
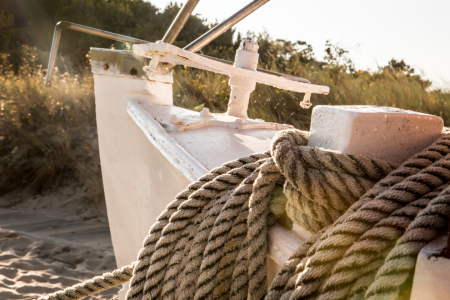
{"points": [[370, 219]]}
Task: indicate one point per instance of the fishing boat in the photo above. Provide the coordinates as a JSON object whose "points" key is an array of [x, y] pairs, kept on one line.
{"points": [[150, 149]]}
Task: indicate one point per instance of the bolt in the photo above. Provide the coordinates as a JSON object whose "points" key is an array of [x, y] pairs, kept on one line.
{"points": [[105, 67], [133, 71]]}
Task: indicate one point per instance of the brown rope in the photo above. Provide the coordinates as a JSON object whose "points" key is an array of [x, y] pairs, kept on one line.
{"points": [[418, 176], [210, 242]]}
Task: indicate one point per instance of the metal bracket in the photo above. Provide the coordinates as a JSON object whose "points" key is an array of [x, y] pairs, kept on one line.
{"points": [[171, 54], [170, 36]]}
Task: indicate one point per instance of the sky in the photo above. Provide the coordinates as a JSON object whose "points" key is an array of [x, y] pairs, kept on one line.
{"points": [[373, 31]]}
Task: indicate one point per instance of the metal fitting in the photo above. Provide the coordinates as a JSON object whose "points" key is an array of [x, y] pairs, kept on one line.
{"points": [[241, 87], [153, 67]]}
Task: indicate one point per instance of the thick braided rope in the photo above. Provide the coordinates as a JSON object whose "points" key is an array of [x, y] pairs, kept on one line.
{"points": [[223, 220], [292, 161], [371, 249], [220, 235], [138, 269], [365, 214], [401, 261], [322, 184], [197, 243], [257, 229], [212, 209], [145, 254], [285, 280], [178, 261], [278, 286], [239, 279], [94, 285], [229, 261], [335, 245], [179, 220]]}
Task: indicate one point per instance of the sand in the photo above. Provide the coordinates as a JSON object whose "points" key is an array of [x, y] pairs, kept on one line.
{"points": [[69, 202], [32, 266]]}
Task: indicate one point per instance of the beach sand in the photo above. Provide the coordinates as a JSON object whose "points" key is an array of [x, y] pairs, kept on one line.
{"points": [[71, 203], [32, 266]]}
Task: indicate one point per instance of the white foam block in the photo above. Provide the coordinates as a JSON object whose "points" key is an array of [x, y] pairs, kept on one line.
{"points": [[386, 133]]}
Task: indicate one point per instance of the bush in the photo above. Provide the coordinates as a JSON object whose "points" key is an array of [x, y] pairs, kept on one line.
{"points": [[48, 137]]}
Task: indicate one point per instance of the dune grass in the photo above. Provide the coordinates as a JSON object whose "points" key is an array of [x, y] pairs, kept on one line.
{"points": [[48, 136], [394, 85]]}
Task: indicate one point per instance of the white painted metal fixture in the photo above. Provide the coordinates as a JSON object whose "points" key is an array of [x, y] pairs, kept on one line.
{"points": [[243, 74], [241, 87]]}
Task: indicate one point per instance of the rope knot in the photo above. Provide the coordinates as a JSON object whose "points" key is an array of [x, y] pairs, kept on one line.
{"points": [[321, 184]]}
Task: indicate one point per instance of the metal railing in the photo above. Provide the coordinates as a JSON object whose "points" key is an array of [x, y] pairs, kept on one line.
{"points": [[179, 21], [216, 31], [93, 31], [169, 37]]}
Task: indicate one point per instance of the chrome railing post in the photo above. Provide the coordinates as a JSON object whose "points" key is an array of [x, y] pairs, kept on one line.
{"points": [[179, 22], [85, 29], [53, 52], [213, 33]]}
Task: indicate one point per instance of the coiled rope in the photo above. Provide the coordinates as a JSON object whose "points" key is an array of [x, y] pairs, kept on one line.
{"points": [[210, 242]]}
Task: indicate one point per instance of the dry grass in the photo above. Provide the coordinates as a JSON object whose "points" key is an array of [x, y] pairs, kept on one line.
{"points": [[389, 86], [48, 136]]}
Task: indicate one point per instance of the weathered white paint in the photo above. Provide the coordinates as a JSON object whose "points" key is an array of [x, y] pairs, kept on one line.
{"points": [[124, 63], [176, 155], [171, 54], [205, 112], [219, 139], [138, 180], [175, 119], [148, 155], [432, 274], [241, 87], [302, 232], [387, 133], [281, 244]]}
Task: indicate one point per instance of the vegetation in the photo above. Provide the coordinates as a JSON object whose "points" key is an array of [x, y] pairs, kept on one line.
{"points": [[48, 136], [393, 85]]}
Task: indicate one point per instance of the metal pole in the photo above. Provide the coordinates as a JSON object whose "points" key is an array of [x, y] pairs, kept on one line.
{"points": [[102, 33], [53, 52], [298, 79], [213, 33], [179, 22], [121, 38], [85, 29]]}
